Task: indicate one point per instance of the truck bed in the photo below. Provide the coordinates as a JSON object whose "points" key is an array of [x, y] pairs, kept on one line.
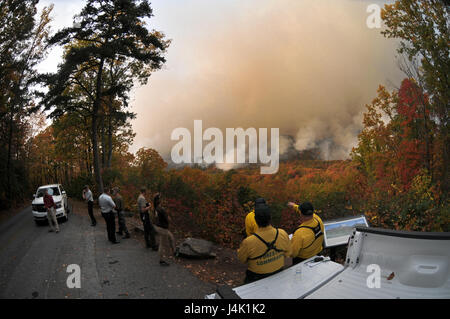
{"points": [[411, 265]]}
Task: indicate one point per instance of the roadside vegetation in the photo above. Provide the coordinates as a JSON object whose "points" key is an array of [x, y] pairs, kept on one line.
{"points": [[397, 175]]}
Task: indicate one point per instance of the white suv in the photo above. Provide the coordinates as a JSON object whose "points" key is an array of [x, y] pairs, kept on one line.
{"points": [[59, 197]]}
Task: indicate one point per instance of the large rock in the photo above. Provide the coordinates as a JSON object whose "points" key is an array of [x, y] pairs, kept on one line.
{"points": [[196, 248]]}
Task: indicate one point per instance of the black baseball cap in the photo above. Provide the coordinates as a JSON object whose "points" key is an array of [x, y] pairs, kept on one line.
{"points": [[306, 209], [260, 201], [262, 214]]}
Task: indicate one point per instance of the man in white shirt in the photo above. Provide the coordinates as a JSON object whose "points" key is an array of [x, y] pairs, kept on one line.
{"points": [[106, 206], [87, 196]]}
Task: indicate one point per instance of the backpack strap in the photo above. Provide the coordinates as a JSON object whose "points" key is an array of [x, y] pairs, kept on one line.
{"points": [[316, 230], [270, 246]]}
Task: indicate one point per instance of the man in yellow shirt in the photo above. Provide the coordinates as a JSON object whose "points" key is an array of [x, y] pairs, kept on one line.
{"points": [[265, 250], [250, 224], [308, 238]]}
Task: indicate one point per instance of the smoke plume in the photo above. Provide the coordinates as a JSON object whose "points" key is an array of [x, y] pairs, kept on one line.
{"points": [[306, 67]]}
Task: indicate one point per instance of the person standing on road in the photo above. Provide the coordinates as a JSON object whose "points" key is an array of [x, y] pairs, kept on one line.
{"points": [[51, 212], [149, 230], [123, 230], [87, 196], [166, 239], [106, 206]]}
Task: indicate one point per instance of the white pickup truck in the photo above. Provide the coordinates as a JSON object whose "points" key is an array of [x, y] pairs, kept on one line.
{"points": [[59, 197], [380, 263]]}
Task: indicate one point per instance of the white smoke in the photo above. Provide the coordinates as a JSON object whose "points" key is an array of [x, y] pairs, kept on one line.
{"points": [[305, 67]]}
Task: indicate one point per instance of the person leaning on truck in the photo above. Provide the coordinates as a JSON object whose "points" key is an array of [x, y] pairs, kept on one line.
{"points": [[149, 230], [265, 250], [87, 196], [250, 224], [307, 240], [51, 212]]}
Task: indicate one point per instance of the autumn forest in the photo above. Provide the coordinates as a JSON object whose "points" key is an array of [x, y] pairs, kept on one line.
{"points": [[73, 127]]}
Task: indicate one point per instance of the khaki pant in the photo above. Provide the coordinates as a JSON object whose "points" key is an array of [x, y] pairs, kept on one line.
{"points": [[166, 243], [121, 221], [51, 216]]}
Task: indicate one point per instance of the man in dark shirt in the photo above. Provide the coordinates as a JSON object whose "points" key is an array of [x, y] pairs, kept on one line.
{"points": [[51, 213], [163, 219], [123, 230], [149, 229], [166, 239]]}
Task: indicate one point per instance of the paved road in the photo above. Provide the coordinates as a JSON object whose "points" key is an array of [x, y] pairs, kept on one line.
{"points": [[33, 264]]}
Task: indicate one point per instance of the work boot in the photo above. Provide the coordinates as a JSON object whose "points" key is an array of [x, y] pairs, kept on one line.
{"points": [[163, 263], [127, 235]]}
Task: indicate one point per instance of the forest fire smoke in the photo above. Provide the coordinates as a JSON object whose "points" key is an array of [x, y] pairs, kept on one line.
{"points": [[306, 67]]}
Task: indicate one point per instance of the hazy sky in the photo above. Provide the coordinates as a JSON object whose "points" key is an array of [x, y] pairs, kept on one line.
{"points": [[307, 67]]}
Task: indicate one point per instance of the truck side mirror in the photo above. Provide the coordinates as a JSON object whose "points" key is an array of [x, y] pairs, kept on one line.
{"points": [[34, 195]]}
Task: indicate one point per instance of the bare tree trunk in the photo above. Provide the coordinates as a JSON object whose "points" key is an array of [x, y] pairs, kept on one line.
{"points": [[90, 161], [102, 138], [108, 164], [89, 156], [66, 173], [445, 158], [88, 172], [8, 161], [98, 175]]}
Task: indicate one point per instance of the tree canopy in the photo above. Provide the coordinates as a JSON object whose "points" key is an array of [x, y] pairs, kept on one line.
{"points": [[108, 49]]}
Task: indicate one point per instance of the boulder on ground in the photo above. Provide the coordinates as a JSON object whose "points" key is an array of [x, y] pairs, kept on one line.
{"points": [[195, 248]]}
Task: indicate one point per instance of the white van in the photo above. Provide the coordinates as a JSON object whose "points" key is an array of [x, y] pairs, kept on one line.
{"points": [[59, 197]]}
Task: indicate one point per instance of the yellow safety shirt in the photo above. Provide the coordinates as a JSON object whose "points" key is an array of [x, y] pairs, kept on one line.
{"points": [[253, 247], [304, 243], [250, 223]]}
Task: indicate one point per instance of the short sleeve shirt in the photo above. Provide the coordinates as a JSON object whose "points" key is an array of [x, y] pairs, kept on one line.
{"points": [[88, 196], [141, 203]]}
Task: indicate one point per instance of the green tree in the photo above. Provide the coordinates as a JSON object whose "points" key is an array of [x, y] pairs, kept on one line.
{"points": [[150, 165], [423, 29], [104, 33], [23, 41]]}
